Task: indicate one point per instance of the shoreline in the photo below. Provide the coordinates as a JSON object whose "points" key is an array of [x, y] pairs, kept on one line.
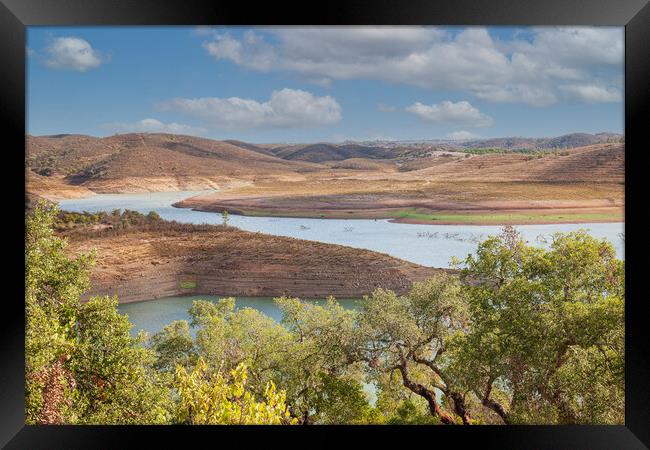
{"points": [[220, 296], [479, 218]]}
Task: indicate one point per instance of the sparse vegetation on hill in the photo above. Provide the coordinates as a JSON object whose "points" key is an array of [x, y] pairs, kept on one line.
{"points": [[560, 142]]}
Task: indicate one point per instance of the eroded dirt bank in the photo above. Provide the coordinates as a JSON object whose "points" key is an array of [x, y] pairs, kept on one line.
{"points": [[139, 265]]}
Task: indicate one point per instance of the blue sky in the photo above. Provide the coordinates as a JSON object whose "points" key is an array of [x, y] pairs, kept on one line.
{"points": [[307, 84]]}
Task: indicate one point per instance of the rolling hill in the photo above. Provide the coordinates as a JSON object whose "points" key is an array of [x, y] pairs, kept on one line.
{"points": [[134, 162], [565, 141], [318, 153], [603, 163]]}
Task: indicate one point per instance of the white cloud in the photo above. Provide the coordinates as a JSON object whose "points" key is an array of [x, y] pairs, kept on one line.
{"points": [[285, 108], [461, 135], [524, 70], [204, 30], [593, 93], [251, 52], [449, 112], [72, 53], [153, 126], [576, 47]]}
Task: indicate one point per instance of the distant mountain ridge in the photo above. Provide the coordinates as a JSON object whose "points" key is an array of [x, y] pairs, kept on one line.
{"points": [[564, 141], [510, 143]]}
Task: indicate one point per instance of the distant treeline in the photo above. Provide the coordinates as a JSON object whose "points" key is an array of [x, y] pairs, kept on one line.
{"points": [[116, 222], [539, 152]]}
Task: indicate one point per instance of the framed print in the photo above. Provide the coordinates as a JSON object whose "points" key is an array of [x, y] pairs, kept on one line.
{"points": [[388, 219]]}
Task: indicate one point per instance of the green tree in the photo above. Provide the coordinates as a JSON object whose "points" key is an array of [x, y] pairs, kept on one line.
{"points": [[53, 284], [153, 216], [322, 362], [340, 400], [214, 400], [82, 365], [224, 217], [411, 335], [546, 342], [174, 346], [116, 382], [308, 355]]}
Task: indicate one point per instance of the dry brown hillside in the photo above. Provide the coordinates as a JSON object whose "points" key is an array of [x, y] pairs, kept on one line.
{"points": [[601, 163], [581, 184], [53, 187], [142, 161], [143, 264]]}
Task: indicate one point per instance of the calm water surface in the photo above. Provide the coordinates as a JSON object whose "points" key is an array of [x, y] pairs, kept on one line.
{"points": [[429, 245], [152, 316]]}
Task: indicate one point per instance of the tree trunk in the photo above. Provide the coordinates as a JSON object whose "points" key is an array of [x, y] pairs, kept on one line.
{"points": [[497, 408], [460, 407], [428, 394]]}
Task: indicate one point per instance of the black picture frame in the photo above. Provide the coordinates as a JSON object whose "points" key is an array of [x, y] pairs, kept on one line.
{"points": [[16, 15]]}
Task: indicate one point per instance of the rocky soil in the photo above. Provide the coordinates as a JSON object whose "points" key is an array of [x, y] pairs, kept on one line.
{"points": [[140, 265]]}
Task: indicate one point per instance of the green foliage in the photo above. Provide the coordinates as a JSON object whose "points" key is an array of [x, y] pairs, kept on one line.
{"points": [[411, 334], [547, 334], [408, 412], [115, 379], [224, 217], [153, 216], [174, 346], [116, 219], [323, 345], [53, 284], [309, 357], [213, 400], [340, 400], [82, 365]]}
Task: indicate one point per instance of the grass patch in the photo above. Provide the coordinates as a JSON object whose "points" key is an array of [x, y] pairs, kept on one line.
{"points": [[187, 284], [506, 218], [496, 218]]}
